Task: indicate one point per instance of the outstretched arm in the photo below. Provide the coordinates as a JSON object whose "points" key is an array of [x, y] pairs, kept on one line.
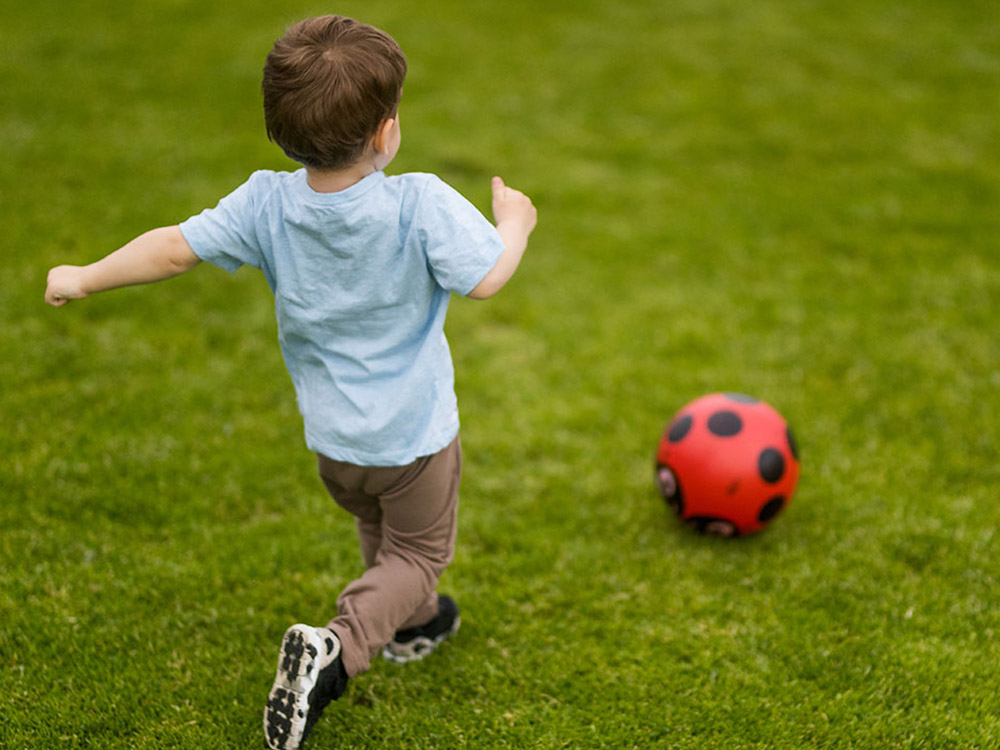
{"points": [[156, 255], [515, 219]]}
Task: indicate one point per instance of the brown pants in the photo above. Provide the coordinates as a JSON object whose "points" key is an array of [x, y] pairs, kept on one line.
{"points": [[406, 518]]}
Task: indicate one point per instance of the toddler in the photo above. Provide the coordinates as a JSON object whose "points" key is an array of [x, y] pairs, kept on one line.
{"points": [[362, 267]]}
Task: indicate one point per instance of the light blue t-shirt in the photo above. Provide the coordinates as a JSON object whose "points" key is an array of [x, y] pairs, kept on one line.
{"points": [[361, 281]]}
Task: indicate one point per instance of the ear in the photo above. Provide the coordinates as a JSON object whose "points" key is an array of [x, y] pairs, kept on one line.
{"points": [[380, 141]]}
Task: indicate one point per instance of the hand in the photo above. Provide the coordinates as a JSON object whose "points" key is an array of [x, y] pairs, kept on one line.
{"points": [[515, 218], [65, 283], [513, 206]]}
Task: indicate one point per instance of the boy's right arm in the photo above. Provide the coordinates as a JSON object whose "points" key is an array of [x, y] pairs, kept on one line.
{"points": [[515, 218], [156, 255]]}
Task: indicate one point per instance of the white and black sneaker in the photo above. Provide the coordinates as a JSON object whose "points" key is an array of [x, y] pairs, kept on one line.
{"points": [[310, 675], [414, 644]]}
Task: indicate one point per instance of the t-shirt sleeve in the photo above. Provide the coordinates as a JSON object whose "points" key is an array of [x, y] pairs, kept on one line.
{"points": [[225, 235], [461, 244]]}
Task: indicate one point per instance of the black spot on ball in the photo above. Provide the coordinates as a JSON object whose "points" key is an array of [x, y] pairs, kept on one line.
{"points": [[680, 428], [711, 526], [792, 445], [771, 465], [670, 488], [771, 508], [725, 423], [676, 502], [741, 398]]}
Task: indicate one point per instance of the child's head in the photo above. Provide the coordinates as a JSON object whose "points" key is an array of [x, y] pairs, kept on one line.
{"points": [[328, 84]]}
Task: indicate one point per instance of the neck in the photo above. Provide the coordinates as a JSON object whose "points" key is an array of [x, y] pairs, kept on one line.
{"points": [[335, 180]]}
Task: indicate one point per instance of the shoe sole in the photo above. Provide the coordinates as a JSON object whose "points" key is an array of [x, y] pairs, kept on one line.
{"points": [[287, 710], [418, 648]]}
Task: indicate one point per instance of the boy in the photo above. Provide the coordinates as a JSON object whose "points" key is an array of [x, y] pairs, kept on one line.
{"points": [[362, 267]]}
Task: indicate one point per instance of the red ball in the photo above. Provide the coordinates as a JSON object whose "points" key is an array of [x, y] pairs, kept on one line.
{"points": [[727, 464]]}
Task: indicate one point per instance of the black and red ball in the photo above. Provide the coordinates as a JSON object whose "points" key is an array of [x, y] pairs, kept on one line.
{"points": [[727, 464]]}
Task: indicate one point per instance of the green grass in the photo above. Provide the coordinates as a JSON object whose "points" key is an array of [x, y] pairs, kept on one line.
{"points": [[797, 199]]}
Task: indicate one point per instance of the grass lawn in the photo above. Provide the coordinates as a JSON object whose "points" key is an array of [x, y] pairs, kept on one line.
{"points": [[796, 199]]}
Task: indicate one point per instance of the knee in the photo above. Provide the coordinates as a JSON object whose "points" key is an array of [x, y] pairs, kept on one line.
{"points": [[431, 561]]}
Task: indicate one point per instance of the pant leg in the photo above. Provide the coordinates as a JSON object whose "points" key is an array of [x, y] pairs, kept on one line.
{"points": [[417, 510], [365, 509], [370, 537]]}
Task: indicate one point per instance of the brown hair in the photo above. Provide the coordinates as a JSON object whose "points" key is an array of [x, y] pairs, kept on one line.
{"points": [[329, 83]]}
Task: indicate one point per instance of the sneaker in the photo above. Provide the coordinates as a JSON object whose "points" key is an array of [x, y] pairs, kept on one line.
{"points": [[414, 644], [310, 675]]}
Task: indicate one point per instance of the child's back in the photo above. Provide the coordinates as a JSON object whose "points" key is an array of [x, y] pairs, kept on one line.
{"points": [[362, 278]]}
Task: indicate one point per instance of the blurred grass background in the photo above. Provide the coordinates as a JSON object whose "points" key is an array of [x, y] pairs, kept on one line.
{"points": [[797, 200]]}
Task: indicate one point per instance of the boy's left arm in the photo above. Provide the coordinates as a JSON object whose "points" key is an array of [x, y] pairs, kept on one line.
{"points": [[156, 255]]}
